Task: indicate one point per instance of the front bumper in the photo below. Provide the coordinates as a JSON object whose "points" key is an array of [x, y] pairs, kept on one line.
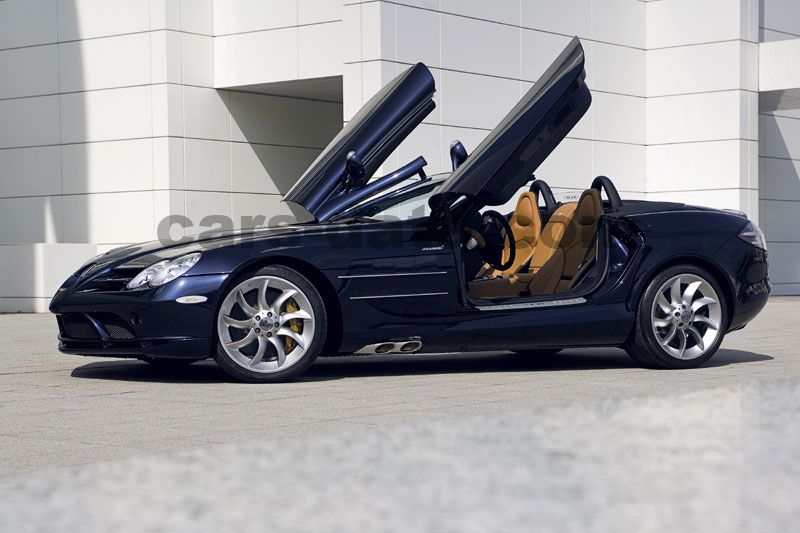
{"points": [[177, 348], [141, 322]]}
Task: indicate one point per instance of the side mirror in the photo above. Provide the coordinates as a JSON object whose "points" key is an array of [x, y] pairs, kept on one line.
{"points": [[355, 171], [458, 154]]}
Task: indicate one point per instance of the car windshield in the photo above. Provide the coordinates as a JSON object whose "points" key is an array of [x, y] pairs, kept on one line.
{"points": [[414, 207], [408, 201]]}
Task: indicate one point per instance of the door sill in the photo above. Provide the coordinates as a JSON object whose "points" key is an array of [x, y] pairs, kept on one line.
{"points": [[560, 302]]}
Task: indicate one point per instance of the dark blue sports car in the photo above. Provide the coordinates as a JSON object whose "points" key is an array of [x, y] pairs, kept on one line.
{"points": [[414, 263]]}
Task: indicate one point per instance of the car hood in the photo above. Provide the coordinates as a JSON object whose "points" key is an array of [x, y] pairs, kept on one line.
{"points": [[141, 255], [373, 133], [509, 155]]}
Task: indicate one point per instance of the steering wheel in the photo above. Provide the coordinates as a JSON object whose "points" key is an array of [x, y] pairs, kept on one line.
{"points": [[490, 240]]}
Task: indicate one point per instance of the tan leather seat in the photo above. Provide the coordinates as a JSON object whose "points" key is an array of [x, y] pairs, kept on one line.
{"points": [[526, 226], [552, 235], [542, 250], [565, 244]]}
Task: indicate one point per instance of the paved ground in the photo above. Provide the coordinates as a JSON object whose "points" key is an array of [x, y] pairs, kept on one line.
{"points": [[584, 440]]}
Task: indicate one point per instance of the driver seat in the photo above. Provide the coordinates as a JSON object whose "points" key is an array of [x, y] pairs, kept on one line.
{"points": [[526, 228]]}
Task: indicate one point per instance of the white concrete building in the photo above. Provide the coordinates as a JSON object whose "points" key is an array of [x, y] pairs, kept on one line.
{"points": [[115, 114]]}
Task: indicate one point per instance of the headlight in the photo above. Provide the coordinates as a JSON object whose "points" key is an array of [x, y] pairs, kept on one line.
{"points": [[164, 271], [751, 234]]}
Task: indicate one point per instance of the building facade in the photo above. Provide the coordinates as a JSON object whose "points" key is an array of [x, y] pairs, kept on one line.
{"points": [[128, 120]]}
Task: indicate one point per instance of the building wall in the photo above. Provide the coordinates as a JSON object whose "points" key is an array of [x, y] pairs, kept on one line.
{"points": [[115, 114], [674, 84], [80, 102], [257, 47], [702, 94], [111, 121], [779, 20], [257, 41], [484, 56], [779, 158]]}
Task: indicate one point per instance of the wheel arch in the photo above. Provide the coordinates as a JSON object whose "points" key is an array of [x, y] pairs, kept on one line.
{"points": [[333, 336], [706, 264]]}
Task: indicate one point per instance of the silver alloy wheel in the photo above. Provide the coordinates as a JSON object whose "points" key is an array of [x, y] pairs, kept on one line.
{"points": [[686, 316], [255, 333]]}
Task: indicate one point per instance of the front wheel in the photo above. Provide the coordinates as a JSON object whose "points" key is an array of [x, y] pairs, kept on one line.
{"points": [[681, 320], [270, 326]]}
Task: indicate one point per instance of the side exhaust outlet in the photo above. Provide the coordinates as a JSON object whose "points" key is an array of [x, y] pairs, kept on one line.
{"points": [[388, 347], [410, 346]]}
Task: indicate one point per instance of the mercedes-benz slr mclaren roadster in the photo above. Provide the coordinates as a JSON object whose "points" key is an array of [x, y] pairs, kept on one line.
{"points": [[410, 262]]}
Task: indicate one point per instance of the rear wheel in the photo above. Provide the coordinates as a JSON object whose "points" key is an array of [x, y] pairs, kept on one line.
{"points": [[681, 319], [270, 326]]}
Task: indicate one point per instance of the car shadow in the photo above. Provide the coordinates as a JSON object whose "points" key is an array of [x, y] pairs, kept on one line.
{"points": [[331, 368], [134, 370]]}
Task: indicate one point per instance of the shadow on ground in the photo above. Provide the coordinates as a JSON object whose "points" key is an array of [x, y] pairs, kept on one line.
{"points": [[400, 365]]}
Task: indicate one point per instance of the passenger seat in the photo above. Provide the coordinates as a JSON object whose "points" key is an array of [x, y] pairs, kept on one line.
{"points": [[565, 243]]}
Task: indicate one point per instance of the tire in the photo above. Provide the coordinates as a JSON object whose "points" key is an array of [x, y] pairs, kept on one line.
{"points": [[283, 316], [538, 353], [167, 363], [680, 320]]}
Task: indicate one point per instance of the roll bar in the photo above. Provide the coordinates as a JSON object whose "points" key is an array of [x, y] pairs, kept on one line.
{"points": [[602, 183], [543, 191]]}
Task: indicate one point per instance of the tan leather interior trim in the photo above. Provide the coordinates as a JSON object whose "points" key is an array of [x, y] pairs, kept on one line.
{"points": [[589, 264], [504, 287], [556, 256], [547, 279], [525, 278], [552, 234]]}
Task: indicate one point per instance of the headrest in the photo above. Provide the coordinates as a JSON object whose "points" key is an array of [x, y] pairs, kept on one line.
{"points": [[589, 207], [526, 209], [563, 214]]}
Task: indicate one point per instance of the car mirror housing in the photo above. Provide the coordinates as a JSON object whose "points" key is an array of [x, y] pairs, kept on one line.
{"points": [[355, 175], [458, 154]]}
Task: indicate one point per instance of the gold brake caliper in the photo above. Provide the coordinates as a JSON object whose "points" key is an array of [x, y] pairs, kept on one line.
{"points": [[295, 325]]}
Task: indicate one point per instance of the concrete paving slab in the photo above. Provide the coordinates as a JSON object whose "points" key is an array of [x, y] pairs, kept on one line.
{"points": [[454, 442]]}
